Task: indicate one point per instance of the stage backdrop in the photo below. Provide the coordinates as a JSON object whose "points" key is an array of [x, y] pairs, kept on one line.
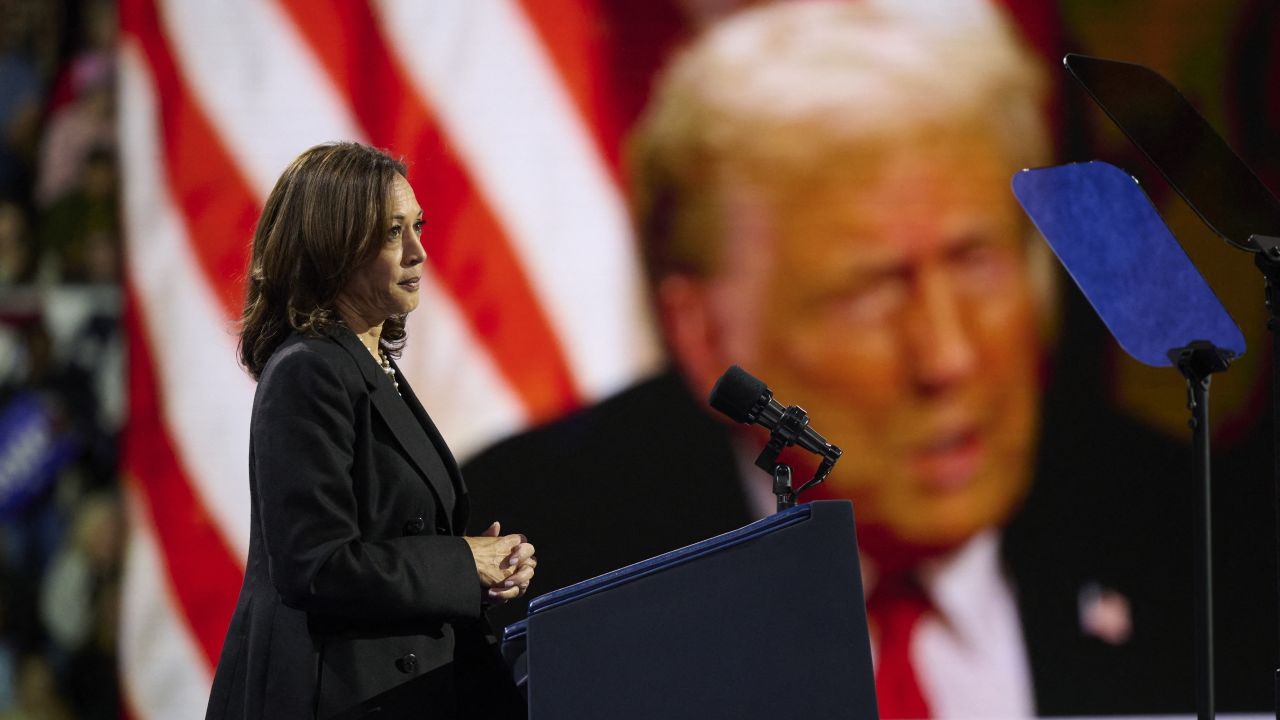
{"points": [[511, 116]]}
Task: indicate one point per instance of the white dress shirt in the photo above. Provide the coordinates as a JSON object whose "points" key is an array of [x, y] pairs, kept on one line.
{"points": [[969, 654]]}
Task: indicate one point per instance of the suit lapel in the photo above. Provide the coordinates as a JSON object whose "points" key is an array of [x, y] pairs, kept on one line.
{"points": [[450, 464], [409, 431]]}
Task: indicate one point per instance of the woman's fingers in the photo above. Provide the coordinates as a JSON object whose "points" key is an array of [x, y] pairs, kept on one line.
{"points": [[499, 596], [520, 553], [492, 557], [520, 578], [512, 558]]}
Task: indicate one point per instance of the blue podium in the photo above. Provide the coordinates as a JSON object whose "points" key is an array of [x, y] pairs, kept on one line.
{"points": [[766, 621]]}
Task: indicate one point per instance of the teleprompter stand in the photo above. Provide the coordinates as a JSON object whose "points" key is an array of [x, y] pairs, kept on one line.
{"points": [[1160, 310], [1214, 182]]}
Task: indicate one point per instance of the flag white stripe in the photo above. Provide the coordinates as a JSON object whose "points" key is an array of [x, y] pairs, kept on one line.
{"points": [[505, 111], [165, 675], [454, 378], [258, 82], [205, 396]]}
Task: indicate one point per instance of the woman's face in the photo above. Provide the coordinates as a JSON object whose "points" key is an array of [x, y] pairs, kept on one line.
{"points": [[388, 284]]}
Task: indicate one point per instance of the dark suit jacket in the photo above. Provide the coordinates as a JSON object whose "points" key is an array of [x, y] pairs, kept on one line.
{"points": [[357, 584], [648, 471]]}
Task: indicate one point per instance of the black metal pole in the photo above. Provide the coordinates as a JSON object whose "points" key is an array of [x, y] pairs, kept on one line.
{"points": [[1268, 261], [1197, 362], [1203, 525], [1273, 324]]}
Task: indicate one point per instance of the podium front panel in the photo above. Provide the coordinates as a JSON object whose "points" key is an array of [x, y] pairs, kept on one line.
{"points": [[764, 622]]}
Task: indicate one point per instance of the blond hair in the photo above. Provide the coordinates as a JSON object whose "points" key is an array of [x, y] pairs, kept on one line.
{"points": [[784, 90]]}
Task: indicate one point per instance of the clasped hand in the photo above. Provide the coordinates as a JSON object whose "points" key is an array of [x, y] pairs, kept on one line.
{"points": [[504, 563]]}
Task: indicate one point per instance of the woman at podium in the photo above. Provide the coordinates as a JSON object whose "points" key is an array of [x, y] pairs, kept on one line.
{"points": [[360, 590]]}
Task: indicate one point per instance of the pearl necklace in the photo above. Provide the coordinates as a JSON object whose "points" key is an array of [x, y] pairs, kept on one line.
{"points": [[390, 371]]}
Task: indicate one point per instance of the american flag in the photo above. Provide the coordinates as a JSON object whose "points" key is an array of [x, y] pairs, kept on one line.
{"points": [[509, 115]]}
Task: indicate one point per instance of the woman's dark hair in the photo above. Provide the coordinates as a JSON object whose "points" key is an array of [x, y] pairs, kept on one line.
{"points": [[322, 222]]}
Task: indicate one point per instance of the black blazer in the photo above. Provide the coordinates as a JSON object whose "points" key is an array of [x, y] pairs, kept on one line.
{"points": [[357, 587]]}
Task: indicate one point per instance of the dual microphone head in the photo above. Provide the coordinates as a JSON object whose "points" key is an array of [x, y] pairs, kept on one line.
{"points": [[746, 399]]}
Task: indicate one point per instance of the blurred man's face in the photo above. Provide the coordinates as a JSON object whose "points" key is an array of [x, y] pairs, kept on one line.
{"points": [[893, 304]]}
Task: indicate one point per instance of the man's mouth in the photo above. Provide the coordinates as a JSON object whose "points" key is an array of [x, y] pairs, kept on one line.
{"points": [[950, 460]]}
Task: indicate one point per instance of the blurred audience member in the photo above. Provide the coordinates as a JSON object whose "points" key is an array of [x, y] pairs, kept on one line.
{"points": [[21, 95], [8, 642], [78, 604], [38, 697], [73, 130], [16, 257], [87, 562], [79, 235]]}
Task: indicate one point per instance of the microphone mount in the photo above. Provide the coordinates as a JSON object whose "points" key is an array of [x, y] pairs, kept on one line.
{"points": [[785, 434]]}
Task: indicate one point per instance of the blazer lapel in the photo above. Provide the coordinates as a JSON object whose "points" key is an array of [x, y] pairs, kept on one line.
{"points": [[451, 465], [408, 430]]}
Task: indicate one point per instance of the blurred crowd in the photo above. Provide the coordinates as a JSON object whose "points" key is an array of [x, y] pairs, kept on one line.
{"points": [[61, 361]]}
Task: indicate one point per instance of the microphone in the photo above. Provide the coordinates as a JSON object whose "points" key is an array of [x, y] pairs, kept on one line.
{"points": [[746, 399]]}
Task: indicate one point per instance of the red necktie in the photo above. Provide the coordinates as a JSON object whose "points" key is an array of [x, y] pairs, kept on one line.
{"points": [[895, 609]]}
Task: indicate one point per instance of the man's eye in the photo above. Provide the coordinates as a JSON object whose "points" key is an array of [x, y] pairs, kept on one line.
{"points": [[982, 263], [874, 299], [417, 227]]}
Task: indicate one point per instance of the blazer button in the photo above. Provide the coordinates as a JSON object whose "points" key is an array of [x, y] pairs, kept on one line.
{"points": [[407, 664], [415, 526]]}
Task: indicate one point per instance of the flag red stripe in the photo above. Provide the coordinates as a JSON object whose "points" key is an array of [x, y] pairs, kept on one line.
{"points": [[203, 573], [466, 245], [215, 200]]}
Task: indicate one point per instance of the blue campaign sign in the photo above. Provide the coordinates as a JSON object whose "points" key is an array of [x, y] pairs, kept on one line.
{"points": [[31, 452], [1112, 242]]}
